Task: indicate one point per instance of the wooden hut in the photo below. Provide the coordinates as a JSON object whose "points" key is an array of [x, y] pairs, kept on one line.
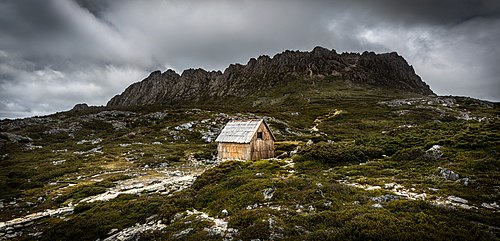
{"points": [[245, 140]]}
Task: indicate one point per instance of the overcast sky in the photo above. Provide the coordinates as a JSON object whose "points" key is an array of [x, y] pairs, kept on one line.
{"points": [[56, 53]]}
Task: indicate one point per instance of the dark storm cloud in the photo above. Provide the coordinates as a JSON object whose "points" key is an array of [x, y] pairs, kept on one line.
{"points": [[442, 12], [56, 53]]}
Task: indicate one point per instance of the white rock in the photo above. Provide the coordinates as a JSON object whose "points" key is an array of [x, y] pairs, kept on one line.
{"points": [[457, 199], [434, 151], [492, 205], [182, 233], [268, 193], [224, 212], [56, 163], [448, 174]]}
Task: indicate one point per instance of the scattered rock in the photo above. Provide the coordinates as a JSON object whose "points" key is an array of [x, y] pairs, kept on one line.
{"points": [[268, 193], [464, 181], [182, 233], [30, 147], [157, 115], [93, 142], [254, 206], [14, 137], [224, 212], [93, 150], [56, 163], [282, 155], [28, 219], [492, 205], [220, 226], [185, 126], [311, 208], [385, 198], [167, 185], [434, 152], [448, 174], [457, 199], [294, 152], [377, 205], [118, 125], [133, 233]]}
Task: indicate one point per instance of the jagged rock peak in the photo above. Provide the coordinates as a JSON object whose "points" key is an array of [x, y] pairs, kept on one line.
{"points": [[265, 72]]}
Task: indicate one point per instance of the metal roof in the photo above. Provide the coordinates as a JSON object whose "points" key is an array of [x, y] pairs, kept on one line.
{"points": [[239, 131]]}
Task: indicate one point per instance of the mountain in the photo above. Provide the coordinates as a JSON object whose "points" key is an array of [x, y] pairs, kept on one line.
{"points": [[388, 70]]}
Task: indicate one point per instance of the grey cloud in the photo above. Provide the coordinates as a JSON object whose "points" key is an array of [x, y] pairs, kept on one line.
{"points": [[56, 53], [442, 12]]}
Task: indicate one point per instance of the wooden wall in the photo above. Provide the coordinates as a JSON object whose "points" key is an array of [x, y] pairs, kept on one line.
{"points": [[262, 148], [255, 150], [240, 151]]}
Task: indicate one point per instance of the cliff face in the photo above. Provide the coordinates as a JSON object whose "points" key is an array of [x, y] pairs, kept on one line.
{"points": [[194, 85]]}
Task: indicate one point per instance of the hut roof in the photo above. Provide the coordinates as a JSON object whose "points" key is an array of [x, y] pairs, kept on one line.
{"points": [[240, 131]]}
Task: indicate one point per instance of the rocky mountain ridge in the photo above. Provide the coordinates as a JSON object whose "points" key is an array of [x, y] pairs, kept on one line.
{"points": [[194, 85]]}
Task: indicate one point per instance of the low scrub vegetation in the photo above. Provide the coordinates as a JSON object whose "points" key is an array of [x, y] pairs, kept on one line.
{"points": [[339, 149]]}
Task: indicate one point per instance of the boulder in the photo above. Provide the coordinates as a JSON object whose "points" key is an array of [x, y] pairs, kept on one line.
{"points": [[268, 193], [448, 174]]}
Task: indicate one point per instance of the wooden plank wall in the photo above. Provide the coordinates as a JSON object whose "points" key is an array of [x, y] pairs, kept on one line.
{"points": [[262, 148], [239, 151]]}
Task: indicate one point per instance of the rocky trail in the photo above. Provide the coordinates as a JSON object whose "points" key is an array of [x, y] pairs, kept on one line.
{"points": [[163, 182]]}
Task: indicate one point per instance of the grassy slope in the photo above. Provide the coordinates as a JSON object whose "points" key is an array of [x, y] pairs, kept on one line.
{"points": [[362, 130]]}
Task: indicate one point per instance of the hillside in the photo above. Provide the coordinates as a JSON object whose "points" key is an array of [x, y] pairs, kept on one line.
{"points": [[355, 161], [389, 71]]}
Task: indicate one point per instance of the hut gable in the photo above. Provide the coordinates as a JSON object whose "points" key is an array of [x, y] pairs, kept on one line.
{"points": [[245, 140]]}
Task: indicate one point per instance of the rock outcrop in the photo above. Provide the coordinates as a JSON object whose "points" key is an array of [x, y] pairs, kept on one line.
{"points": [[81, 106], [195, 85]]}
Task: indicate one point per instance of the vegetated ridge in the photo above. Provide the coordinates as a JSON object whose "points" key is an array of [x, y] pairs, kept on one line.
{"points": [[388, 70]]}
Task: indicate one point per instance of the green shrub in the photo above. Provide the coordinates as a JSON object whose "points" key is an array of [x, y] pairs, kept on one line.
{"points": [[215, 174], [408, 154], [81, 192], [333, 153], [252, 224]]}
